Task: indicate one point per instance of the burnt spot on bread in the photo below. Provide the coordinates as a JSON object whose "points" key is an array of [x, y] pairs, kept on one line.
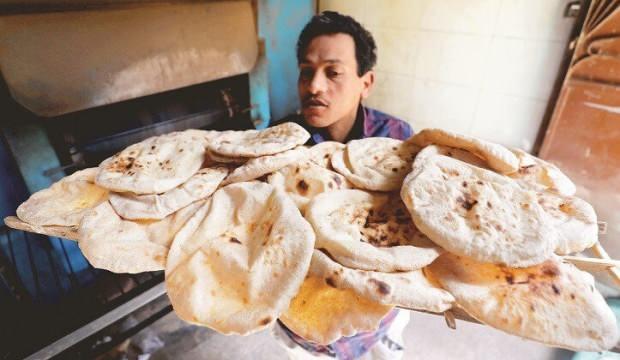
{"points": [[479, 182], [464, 184], [330, 185], [527, 169], [269, 229], [380, 286], [235, 240], [572, 296], [550, 269], [302, 187], [556, 290], [509, 279], [394, 169], [466, 202], [265, 321], [330, 282], [489, 205], [564, 207], [337, 180]]}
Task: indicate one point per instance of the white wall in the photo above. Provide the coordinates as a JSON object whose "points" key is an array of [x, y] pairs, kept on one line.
{"points": [[479, 67]]}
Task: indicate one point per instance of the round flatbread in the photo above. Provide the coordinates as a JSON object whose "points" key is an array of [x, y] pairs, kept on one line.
{"points": [[264, 165], [125, 246], [255, 143], [408, 289], [369, 231], [497, 156], [155, 165], [323, 314], [541, 175], [474, 212], [378, 164], [240, 260], [321, 153], [157, 206], [302, 182], [66, 232], [553, 303], [65, 202]]}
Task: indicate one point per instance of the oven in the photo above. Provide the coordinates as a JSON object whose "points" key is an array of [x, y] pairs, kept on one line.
{"points": [[81, 81]]}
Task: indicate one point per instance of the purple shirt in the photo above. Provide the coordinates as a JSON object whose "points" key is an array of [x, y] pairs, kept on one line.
{"points": [[368, 123]]}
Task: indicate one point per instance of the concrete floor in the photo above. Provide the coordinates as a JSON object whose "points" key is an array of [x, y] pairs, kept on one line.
{"points": [[426, 337]]}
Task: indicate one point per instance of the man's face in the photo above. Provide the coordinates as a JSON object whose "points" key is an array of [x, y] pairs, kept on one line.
{"points": [[329, 87]]}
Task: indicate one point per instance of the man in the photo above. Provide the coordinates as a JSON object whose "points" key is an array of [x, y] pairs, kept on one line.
{"points": [[336, 55]]}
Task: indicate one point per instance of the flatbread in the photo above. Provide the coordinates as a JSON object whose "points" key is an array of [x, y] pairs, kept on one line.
{"points": [[498, 157], [66, 232], [264, 165], [323, 314], [217, 158], [408, 289], [255, 143], [321, 153], [302, 182], [573, 218], [369, 231], [378, 164], [240, 260], [474, 212], [455, 153], [65, 202], [155, 165], [384, 161], [553, 303], [157, 206], [541, 175], [125, 246]]}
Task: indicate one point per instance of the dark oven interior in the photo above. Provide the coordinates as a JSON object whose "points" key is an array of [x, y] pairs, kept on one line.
{"points": [[52, 302]]}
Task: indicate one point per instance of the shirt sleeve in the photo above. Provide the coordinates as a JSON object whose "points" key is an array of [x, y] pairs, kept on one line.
{"points": [[399, 129]]}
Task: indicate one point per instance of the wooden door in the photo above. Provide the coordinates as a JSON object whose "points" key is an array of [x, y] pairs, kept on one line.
{"points": [[583, 137]]}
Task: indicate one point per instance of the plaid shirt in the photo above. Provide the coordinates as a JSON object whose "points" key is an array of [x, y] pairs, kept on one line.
{"points": [[369, 123]]}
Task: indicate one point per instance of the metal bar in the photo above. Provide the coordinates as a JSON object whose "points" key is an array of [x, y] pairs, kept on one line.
{"points": [[85, 331], [131, 332], [35, 274], [54, 271], [71, 274], [10, 242]]}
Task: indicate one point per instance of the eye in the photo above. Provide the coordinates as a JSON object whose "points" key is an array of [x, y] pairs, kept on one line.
{"points": [[333, 73], [306, 73]]}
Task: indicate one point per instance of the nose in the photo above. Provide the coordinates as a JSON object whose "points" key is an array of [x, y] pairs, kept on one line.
{"points": [[317, 84]]}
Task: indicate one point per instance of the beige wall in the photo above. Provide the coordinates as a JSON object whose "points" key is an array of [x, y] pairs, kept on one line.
{"points": [[480, 67]]}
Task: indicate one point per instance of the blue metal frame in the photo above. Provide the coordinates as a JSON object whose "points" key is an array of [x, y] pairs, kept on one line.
{"points": [[273, 83]]}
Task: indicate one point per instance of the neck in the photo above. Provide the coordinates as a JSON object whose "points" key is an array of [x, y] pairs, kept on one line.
{"points": [[339, 130]]}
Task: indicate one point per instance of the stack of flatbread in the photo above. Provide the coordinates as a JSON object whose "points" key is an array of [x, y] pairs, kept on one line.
{"points": [[253, 226]]}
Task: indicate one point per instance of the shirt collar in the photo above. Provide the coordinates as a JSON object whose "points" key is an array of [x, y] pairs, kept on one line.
{"points": [[358, 131]]}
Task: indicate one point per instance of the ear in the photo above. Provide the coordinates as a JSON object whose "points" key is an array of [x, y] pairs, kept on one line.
{"points": [[368, 80]]}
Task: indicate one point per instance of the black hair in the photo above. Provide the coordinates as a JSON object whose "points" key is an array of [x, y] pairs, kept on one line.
{"points": [[331, 22]]}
